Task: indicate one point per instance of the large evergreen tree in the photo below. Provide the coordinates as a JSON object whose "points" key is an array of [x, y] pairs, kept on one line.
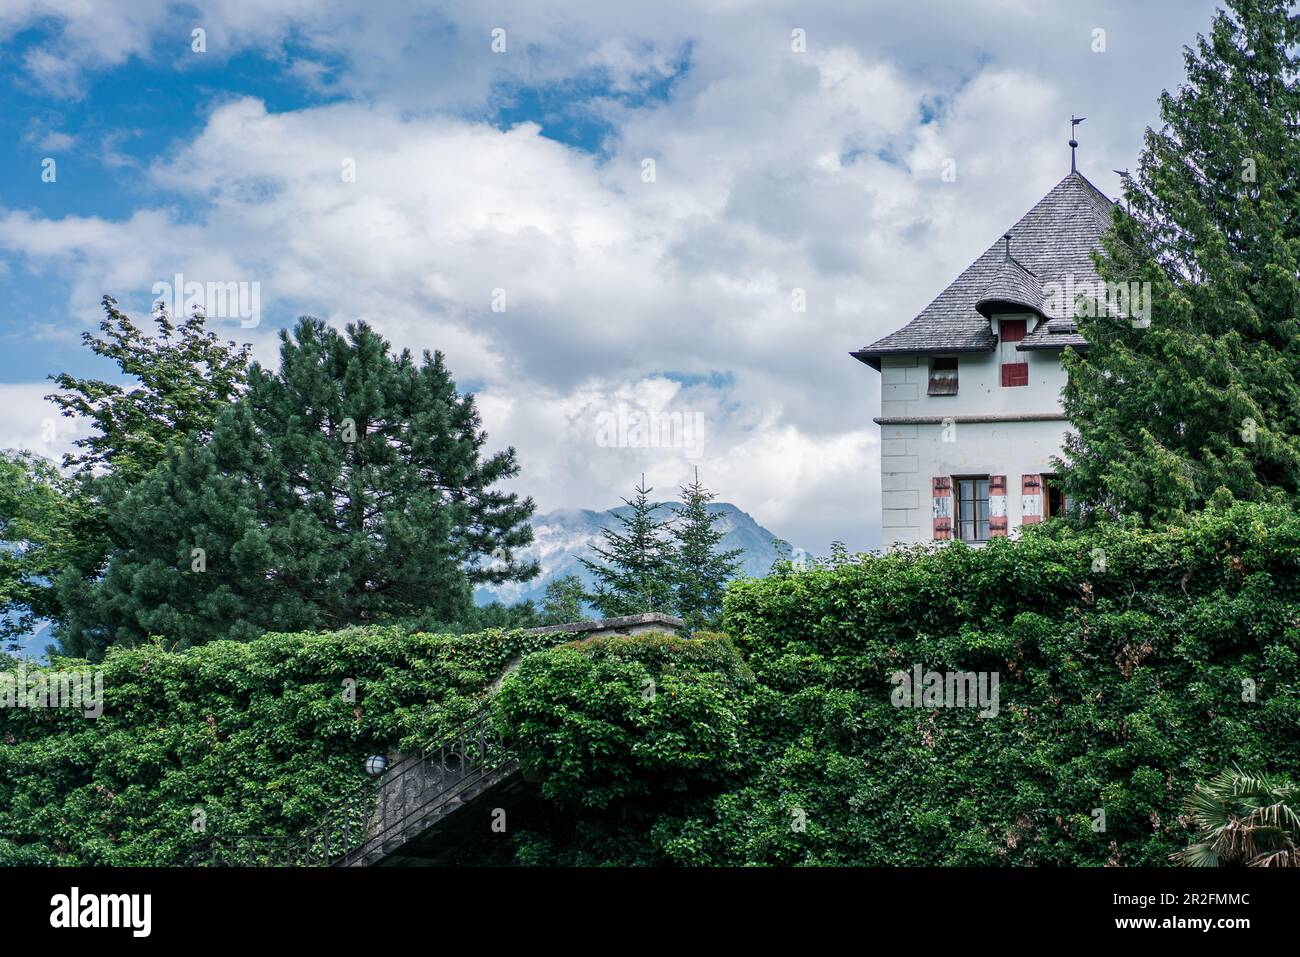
{"points": [[346, 488], [1208, 394], [700, 570], [634, 573]]}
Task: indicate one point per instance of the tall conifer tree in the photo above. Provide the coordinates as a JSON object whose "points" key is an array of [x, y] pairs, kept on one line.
{"points": [[1208, 394], [346, 488]]}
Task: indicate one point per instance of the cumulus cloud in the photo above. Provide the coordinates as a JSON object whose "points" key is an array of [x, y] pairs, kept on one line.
{"points": [[779, 178], [29, 422]]}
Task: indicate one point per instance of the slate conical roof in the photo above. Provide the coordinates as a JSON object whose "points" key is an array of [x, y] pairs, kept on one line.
{"points": [[1053, 240]]}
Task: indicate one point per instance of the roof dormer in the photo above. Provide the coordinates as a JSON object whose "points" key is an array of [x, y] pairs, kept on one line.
{"points": [[1054, 243], [1013, 288]]}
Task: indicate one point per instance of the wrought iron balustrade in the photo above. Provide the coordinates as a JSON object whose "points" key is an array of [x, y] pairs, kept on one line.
{"points": [[382, 814]]}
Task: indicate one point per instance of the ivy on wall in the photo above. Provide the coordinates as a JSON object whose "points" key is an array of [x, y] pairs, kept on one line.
{"points": [[1131, 664]]}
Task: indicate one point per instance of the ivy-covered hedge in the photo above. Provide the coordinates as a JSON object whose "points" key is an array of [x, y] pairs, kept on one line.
{"points": [[609, 719], [1131, 664], [261, 737], [1123, 659]]}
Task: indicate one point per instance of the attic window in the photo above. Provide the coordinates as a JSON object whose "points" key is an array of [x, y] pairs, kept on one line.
{"points": [[1015, 370], [943, 376]]}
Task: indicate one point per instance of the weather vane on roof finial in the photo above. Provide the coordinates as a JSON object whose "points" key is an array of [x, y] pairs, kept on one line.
{"points": [[1074, 144]]}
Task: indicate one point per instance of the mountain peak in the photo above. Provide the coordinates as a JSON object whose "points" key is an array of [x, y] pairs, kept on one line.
{"points": [[563, 536]]}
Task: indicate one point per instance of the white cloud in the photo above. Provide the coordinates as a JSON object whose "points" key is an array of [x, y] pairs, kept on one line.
{"points": [[776, 171], [29, 422]]}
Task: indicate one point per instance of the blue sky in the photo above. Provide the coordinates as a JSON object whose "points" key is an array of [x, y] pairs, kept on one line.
{"points": [[523, 171], [121, 121]]}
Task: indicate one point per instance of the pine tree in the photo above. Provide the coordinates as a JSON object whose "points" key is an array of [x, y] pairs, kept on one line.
{"points": [[700, 571], [346, 488], [1208, 394], [634, 574]]}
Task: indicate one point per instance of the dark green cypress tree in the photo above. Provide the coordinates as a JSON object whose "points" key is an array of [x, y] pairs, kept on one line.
{"points": [[700, 571], [346, 488], [634, 573], [1208, 394]]}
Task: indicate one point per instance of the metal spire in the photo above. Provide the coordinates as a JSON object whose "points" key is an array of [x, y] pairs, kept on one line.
{"points": [[1074, 144]]}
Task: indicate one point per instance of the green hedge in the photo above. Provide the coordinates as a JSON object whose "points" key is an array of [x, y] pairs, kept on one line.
{"points": [[258, 735], [610, 719], [1121, 656], [1119, 689]]}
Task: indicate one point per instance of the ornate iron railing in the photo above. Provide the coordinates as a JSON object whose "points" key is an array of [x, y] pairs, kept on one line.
{"points": [[382, 814]]}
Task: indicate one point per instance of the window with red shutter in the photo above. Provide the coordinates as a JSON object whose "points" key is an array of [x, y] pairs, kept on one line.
{"points": [[1015, 369], [973, 509], [1015, 373]]}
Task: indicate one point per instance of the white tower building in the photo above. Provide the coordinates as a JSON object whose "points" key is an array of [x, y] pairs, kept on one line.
{"points": [[970, 390]]}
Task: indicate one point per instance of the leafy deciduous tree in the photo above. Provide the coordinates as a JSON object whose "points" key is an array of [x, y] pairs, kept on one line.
{"points": [[562, 601], [43, 529], [185, 375]]}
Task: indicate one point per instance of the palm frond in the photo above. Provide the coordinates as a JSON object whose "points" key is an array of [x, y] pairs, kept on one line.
{"points": [[1243, 817], [1196, 855]]}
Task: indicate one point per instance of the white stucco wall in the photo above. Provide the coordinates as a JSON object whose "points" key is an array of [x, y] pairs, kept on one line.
{"points": [[904, 380], [913, 453]]}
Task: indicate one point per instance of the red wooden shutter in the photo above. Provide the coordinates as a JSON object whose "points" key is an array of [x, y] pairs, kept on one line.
{"points": [[1012, 330], [997, 506], [1015, 373], [1031, 499], [1015, 369], [941, 486]]}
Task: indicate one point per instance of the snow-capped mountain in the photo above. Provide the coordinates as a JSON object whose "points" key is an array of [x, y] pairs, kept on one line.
{"points": [[561, 537]]}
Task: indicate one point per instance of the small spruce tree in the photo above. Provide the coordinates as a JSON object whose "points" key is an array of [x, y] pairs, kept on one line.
{"points": [[634, 573], [700, 571]]}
